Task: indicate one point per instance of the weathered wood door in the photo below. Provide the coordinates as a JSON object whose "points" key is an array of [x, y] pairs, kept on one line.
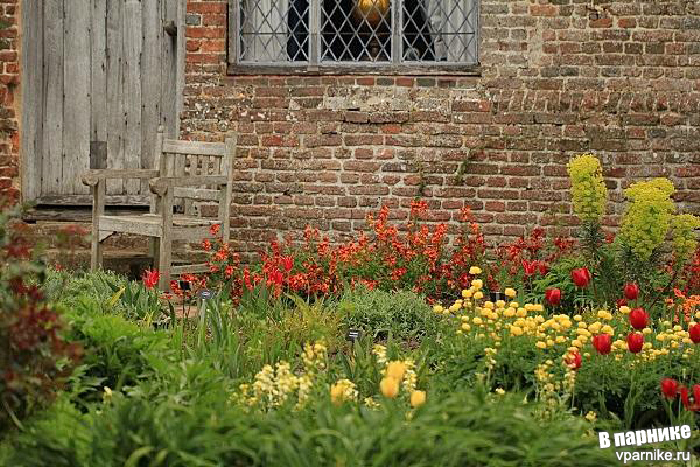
{"points": [[99, 76]]}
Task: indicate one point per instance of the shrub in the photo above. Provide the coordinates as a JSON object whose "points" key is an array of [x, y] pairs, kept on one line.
{"points": [[116, 350], [588, 190], [377, 313], [34, 359], [418, 260], [463, 429]]}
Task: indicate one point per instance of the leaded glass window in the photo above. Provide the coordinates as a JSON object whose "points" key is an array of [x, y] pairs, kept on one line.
{"points": [[375, 34]]}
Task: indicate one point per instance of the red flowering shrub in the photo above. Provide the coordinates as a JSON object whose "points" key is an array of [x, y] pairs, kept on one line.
{"points": [[689, 276], [525, 259], [34, 358], [416, 260]]}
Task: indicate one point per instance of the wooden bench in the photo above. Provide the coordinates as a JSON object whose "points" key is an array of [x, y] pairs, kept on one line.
{"points": [[187, 171]]}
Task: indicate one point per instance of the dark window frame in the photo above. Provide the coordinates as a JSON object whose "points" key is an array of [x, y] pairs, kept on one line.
{"points": [[316, 67]]}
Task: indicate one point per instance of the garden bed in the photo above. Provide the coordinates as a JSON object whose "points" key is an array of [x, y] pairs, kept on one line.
{"points": [[413, 344]]}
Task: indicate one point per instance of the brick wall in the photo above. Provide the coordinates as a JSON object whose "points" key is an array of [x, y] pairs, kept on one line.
{"points": [[620, 79], [9, 98]]}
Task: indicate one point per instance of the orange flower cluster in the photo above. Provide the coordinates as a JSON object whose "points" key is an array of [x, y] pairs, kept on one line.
{"points": [[410, 256]]}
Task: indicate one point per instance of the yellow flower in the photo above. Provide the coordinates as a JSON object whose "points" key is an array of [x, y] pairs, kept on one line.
{"points": [[478, 295], [438, 309], [466, 326], [107, 396], [478, 283], [336, 394], [516, 330], [396, 370], [500, 391], [510, 292], [625, 310], [578, 317], [466, 294], [646, 331], [591, 416], [474, 270], [418, 398], [389, 387], [541, 345], [588, 191]]}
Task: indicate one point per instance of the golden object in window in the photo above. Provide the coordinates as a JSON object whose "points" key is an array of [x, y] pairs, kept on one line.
{"points": [[372, 11]]}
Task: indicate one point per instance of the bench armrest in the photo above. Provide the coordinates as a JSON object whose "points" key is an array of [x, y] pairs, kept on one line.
{"points": [[160, 185], [94, 176]]}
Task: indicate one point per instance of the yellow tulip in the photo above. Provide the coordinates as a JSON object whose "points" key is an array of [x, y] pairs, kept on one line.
{"points": [[396, 370], [418, 398], [389, 387]]}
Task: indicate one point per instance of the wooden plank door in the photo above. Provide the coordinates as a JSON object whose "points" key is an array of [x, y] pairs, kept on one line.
{"points": [[100, 77]]}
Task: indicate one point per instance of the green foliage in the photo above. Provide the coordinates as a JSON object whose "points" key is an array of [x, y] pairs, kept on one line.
{"points": [[462, 429], [68, 288], [648, 217], [116, 350], [684, 239], [377, 313], [588, 189]]}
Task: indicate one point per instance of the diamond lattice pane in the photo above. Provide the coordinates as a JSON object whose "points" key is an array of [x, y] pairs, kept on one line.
{"points": [[439, 30], [356, 30], [274, 31]]}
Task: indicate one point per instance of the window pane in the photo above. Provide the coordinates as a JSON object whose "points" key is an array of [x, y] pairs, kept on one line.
{"points": [[439, 30], [274, 31], [356, 30]]}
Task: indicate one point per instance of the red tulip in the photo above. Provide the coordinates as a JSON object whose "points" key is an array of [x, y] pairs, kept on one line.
{"points": [[695, 405], [631, 291], [529, 267], [150, 278], [543, 268], [581, 277], [694, 332], [683, 391], [635, 342], [638, 318], [574, 359], [669, 387], [288, 263], [696, 398], [602, 343], [553, 296], [621, 302]]}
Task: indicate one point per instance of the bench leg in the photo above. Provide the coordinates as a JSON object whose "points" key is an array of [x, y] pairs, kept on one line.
{"points": [[96, 252], [99, 192], [163, 258], [154, 250]]}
